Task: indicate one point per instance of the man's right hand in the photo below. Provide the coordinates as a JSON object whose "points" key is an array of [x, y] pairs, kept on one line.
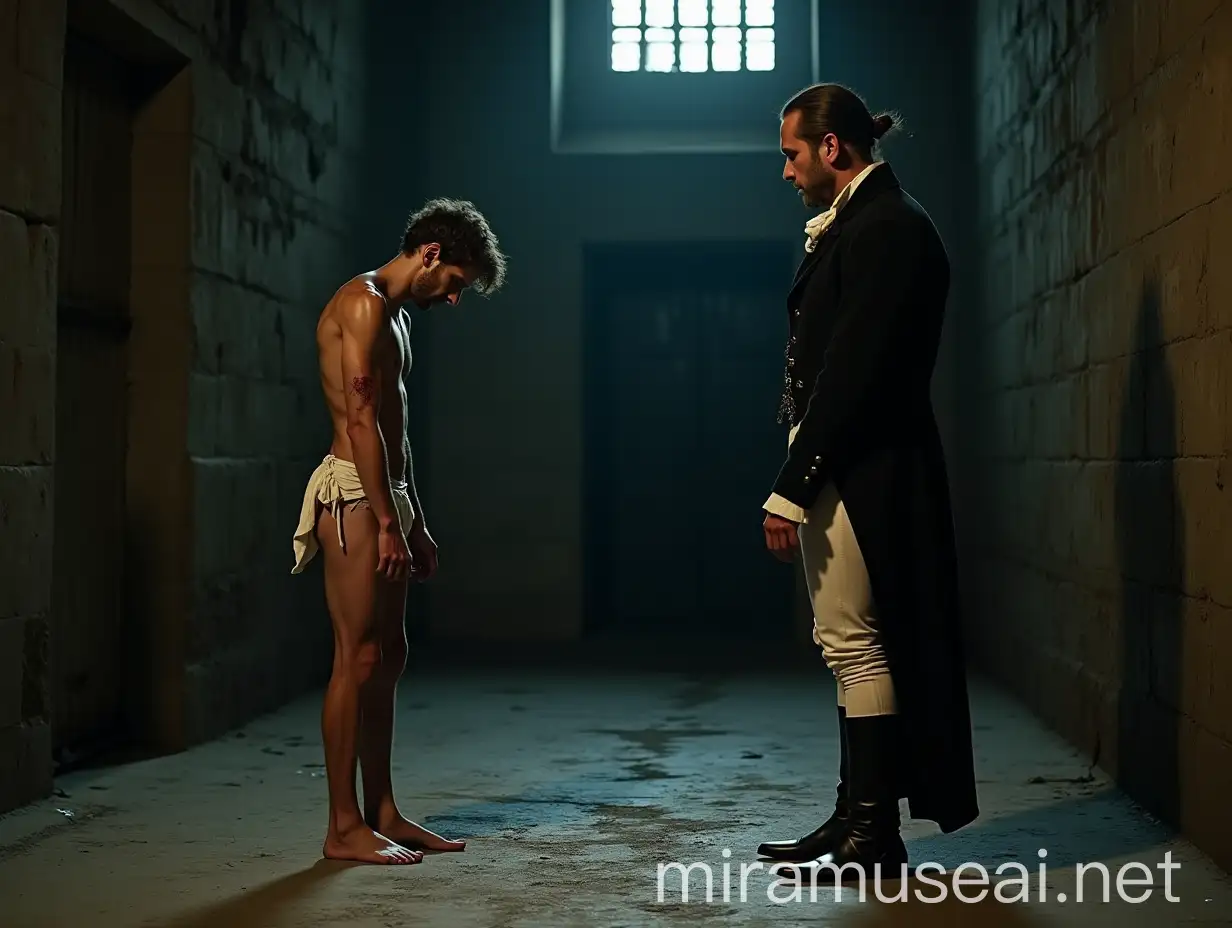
{"points": [[394, 555], [781, 537]]}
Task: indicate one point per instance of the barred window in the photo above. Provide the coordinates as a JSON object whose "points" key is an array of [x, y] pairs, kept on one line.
{"points": [[677, 36]]}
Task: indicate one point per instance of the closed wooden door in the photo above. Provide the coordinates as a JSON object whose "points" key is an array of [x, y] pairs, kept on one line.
{"points": [[684, 365], [90, 635]]}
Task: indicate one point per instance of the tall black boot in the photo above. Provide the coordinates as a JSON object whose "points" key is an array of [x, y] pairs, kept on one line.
{"points": [[825, 837], [872, 835]]}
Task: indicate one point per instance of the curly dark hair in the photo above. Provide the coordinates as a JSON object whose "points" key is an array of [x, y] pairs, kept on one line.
{"points": [[465, 238]]}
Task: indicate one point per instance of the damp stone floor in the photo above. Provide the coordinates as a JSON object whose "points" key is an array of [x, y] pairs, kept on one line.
{"points": [[583, 796]]}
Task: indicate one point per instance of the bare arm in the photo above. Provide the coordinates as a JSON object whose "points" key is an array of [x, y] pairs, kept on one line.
{"points": [[363, 319]]}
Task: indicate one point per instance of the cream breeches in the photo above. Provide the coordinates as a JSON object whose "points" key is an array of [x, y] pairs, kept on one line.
{"points": [[845, 622]]}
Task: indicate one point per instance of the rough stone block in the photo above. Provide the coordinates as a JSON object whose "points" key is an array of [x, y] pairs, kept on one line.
{"points": [[1203, 502], [1205, 771], [320, 22], [1036, 346], [1201, 371], [1127, 611], [1079, 220], [291, 10], [1148, 744], [1114, 50], [1181, 21], [1052, 542], [1059, 342], [218, 107], [1066, 237], [1116, 418], [1097, 618], [258, 231], [349, 122], [247, 517], [312, 430], [1146, 522], [1219, 270], [215, 243], [290, 79], [12, 651], [1058, 538], [29, 145], [1085, 100], [28, 267], [1120, 310], [339, 177], [236, 329], [995, 270], [36, 675], [1189, 638], [203, 411], [1118, 154], [25, 764], [1010, 361], [228, 609], [8, 37], [25, 539], [296, 330], [252, 417], [1095, 501], [1061, 418], [1195, 103], [40, 37], [999, 436], [28, 395], [321, 105], [1178, 256]]}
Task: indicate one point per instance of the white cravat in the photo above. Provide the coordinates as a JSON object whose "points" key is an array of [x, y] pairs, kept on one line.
{"points": [[814, 229], [818, 224]]}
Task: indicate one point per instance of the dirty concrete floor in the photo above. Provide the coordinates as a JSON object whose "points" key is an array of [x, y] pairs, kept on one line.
{"points": [[570, 791]]}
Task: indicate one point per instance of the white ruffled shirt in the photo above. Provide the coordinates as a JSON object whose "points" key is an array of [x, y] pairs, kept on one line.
{"points": [[818, 224], [813, 229]]}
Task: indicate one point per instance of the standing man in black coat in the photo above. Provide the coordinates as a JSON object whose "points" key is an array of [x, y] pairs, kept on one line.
{"points": [[863, 492]]}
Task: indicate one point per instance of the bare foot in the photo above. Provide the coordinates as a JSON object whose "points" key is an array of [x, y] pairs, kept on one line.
{"points": [[367, 846], [411, 835]]}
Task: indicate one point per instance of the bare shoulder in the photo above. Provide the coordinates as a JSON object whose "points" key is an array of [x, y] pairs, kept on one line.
{"points": [[359, 307]]}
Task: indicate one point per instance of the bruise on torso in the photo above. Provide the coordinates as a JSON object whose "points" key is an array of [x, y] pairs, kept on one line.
{"points": [[392, 362]]}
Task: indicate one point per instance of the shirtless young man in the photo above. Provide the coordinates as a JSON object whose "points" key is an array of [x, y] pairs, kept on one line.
{"points": [[362, 511]]}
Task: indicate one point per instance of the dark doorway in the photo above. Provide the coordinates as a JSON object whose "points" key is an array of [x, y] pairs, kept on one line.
{"points": [[684, 359], [120, 556], [90, 631]]}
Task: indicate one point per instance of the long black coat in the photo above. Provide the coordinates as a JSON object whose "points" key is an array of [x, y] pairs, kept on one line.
{"points": [[866, 313]]}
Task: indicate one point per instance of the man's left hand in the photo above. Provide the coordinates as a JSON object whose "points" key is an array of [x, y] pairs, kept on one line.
{"points": [[423, 553], [781, 536]]}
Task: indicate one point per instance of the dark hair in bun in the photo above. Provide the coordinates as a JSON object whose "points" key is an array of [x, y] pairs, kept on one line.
{"points": [[833, 108]]}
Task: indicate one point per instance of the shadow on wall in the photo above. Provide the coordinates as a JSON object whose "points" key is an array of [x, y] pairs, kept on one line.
{"points": [[1150, 548]]}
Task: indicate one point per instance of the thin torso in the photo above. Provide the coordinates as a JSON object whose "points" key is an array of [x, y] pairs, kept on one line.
{"points": [[393, 361]]}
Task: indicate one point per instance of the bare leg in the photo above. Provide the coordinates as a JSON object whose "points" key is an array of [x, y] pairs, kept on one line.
{"points": [[351, 594], [377, 729]]}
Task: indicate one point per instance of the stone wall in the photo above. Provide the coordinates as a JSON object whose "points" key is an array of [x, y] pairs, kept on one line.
{"points": [[268, 108], [1097, 378], [30, 41], [278, 107]]}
